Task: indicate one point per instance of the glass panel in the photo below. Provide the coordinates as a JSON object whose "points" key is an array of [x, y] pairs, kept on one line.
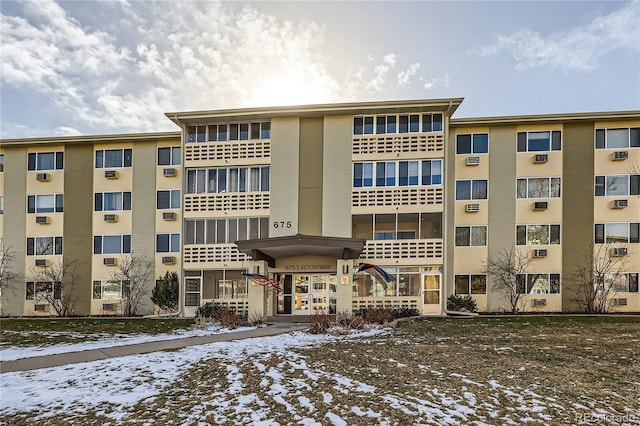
{"points": [[521, 188], [539, 141], [554, 234], [556, 141], [617, 138], [538, 188], [265, 130], [210, 236], [599, 233], [436, 172], [462, 284], [242, 229], [463, 190], [617, 185], [201, 133], [463, 144], [222, 180], [233, 230], [175, 243], [463, 237], [478, 235], [478, 284], [413, 172], [162, 243], [357, 175], [233, 132], [221, 231], [368, 125], [212, 133], [112, 244], [426, 123], [437, 122], [634, 140], [367, 178], [45, 204], [481, 143], [555, 187], [254, 226], [380, 173], [538, 234], [222, 132], [521, 235], [479, 189], [45, 161], [358, 125], [112, 158], [403, 124], [391, 124], [164, 156], [255, 130], [537, 283], [404, 173], [599, 187], [554, 283], [381, 125], [414, 123], [522, 142], [600, 139]]}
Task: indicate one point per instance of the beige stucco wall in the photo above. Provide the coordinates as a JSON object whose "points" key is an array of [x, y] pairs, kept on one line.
{"points": [[285, 167], [310, 176], [336, 176]]}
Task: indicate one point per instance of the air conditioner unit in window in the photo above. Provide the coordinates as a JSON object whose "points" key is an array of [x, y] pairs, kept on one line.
{"points": [[541, 158], [538, 302], [540, 253], [619, 251], [110, 217], [540, 205], [110, 306], [168, 260], [111, 174], [168, 216], [169, 172], [621, 155], [473, 161], [41, 307], [42, 220], [472, 208], [110, 261], [620, 204], [41, 262], [619, 301], [42, 177]]}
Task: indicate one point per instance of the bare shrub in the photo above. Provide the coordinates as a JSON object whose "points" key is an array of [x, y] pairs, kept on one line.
{"points": [[320, 323]]}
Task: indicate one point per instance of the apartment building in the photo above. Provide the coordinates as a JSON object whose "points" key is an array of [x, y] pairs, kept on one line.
{"points": [[273, 211]]}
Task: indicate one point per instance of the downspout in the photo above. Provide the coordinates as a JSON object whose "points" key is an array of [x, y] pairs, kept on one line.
{"points": [[445, 263]]}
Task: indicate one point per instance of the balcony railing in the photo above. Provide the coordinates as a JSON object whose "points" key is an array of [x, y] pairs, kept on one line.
{"points": [[398, 196], [398, 143], [402, 250], [206, 253], [236, 150], [230, 201]]}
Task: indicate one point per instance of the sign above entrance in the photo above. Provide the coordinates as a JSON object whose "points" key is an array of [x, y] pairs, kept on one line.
{"points": [[309, 268]]}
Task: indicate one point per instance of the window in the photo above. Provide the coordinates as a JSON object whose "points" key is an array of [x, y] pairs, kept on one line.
{"points": [[624, 282], [362, 175], [111, 244], [471, 284], [617, 185], [534, 235], [223, 231], [110, 289], [390, 235], [1, 204], [41, 289], [50, 203], [539, 141], [168, 199], [471, 236], [233, 179], [1, 162], [618, 138], [229, 132], [607, 233], [110, 158], [397, 173], [477, 143], [538, 187], [538, 283], [404, 123], [44, 246], [167, 243], [45, 161], [169, 156], [408, 173], [471, 189], [112, 201], [385, 173], [405, 281]]}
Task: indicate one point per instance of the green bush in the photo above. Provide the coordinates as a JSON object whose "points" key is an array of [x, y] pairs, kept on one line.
{"points": [[165, 292], [461, 303]]}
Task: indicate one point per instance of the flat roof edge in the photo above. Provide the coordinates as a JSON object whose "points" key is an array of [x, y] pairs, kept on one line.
{"points": [[577, 116], [90, 138]]}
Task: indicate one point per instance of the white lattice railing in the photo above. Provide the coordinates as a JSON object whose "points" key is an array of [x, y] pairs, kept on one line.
{"points": [[257, 148], [402, 249], [201, 253], [396, 196], [240, 305], [391, 144], [226, 201], [410, 302]]}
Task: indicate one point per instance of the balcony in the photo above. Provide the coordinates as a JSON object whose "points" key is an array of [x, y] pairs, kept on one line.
{"points": [[394, 144], [218, 152], [403, 251], [389, 198], [229, 201], [197, 254]]}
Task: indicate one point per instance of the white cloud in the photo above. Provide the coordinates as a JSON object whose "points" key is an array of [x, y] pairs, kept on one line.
{"points": [[404, 77], [579, 49], [174, 56]]}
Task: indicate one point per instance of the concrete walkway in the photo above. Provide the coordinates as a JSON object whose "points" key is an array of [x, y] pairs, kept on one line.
{"points": [[46, 361]]}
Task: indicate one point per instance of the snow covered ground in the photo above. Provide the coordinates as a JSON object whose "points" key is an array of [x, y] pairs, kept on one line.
{"points": [[374, 377]]}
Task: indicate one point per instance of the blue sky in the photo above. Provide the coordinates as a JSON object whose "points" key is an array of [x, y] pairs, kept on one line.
{"points": [[99, 67]]}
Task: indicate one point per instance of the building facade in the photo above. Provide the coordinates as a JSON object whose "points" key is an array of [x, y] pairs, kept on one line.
{"points": [[272, 211]]}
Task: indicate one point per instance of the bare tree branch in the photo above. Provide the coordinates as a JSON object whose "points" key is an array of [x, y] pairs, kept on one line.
{"points": [[136, 273], [7, 275], [508, 269], [57, 283]]}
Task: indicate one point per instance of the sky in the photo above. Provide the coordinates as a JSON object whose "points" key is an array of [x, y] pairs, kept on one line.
{"points": [[102, 67]]}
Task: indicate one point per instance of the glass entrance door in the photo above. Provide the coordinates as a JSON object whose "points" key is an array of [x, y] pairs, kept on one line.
{"points": [[431, 289], [306, 294]]}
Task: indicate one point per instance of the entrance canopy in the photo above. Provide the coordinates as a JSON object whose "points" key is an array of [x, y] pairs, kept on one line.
{"points": [[270, 249]]}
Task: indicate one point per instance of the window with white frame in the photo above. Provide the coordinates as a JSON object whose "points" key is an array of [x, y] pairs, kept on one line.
{"points": [[542, 187], [405, 282], [539, 141], [229, 132], [1, 204], [534, 235], [476, 189], [39, 290], [400, 123], [45, 203], [467, 236], [1, 162], [111, 244], [45, 161], [228, 179], [112, 201], [612, 232], [168, 199], [397, 173], [470, 283], [223, 231], [628, 137], [113, 158], [167, 243], [474, 143], [109, 289], [44, 246], [169, 156], [538, 283], [626, 282], [617, 185]]}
